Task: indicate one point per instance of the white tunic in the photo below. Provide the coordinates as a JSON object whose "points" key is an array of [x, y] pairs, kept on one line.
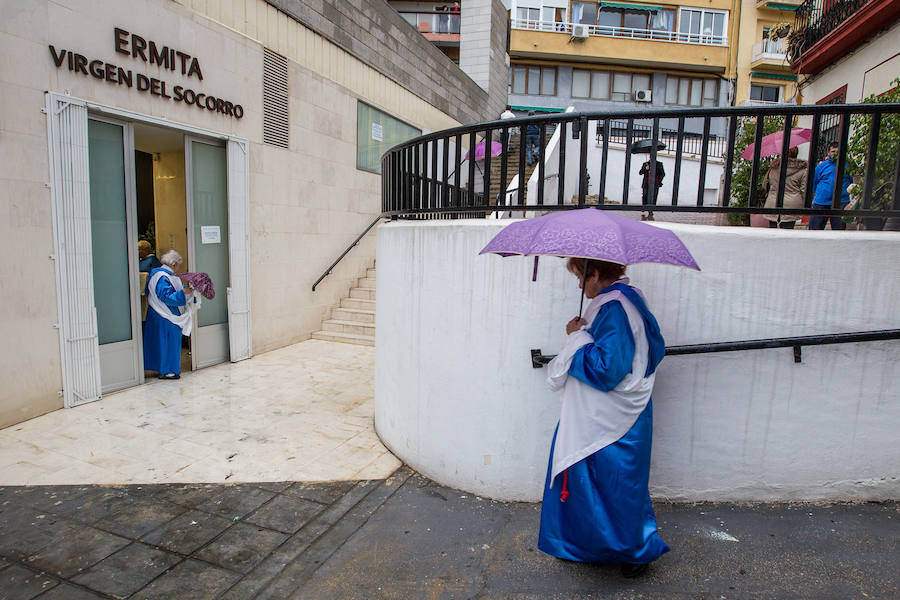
{"points": [[591, 419]]}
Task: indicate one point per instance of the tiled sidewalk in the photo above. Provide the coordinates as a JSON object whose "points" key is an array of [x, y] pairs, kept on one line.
{"points": [[300, 413], [189, 541]]}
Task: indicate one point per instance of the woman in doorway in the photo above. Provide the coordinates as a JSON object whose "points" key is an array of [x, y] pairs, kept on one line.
{"points": [[168, 318], [596, 504]]}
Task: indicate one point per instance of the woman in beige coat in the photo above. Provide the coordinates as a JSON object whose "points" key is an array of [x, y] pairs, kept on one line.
{"points": [[794, 189]]}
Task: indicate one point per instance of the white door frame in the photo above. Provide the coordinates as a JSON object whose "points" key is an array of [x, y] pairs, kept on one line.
{"points": [[202, 340], [80, 364], [131, 234]]}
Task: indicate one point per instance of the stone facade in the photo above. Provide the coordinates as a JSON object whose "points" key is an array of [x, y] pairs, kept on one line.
{"points": [[377, 35]]}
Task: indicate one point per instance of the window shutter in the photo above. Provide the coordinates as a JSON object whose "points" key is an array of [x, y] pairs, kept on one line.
{"points": [[276, 126], [71, 196]]}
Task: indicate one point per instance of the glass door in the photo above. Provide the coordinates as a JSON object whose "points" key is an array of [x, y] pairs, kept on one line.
{"points": [[207, 206], [114, 254]]}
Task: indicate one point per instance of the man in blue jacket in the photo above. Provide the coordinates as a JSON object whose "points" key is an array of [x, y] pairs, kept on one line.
{"points": [[823, 184]]}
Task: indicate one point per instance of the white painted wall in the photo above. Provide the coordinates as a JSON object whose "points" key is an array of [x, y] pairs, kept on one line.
{"points": [[456, 397], [867, 70]]}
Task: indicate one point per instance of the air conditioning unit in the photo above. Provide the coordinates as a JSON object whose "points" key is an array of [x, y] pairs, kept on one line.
{"points": [[580, 32], [643, 96]]}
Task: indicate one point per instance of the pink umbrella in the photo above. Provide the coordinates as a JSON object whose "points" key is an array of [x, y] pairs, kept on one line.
{"points": [[771, 144], [200, 282], [496, 148]]}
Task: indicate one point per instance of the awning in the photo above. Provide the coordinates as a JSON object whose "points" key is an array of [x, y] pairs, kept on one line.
{"points": [[631, 6]]}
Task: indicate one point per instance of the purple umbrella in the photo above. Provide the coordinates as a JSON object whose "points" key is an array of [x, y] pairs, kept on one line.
{"points": [[591, 233], [200, 282], [496, 148]]}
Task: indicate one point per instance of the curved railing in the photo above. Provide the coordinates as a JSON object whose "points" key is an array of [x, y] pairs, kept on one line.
{"points": [[431, 177]]}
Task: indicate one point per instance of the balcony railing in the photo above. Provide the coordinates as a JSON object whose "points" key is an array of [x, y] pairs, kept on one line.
{"points": [[770, 49], [815, 19], [433, 22], [429, 177], [657, 35]]}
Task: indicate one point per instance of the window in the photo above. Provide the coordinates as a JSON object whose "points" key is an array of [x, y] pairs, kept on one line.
{"points": [[530, 14], [692, 91], [605, 85], [590, 84], [376, 132], [584, 12], [535, 81], [765, 32], [621, 91], [699, 26], [765, 93]]}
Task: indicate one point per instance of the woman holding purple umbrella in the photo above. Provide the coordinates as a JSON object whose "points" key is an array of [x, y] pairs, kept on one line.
{"points": [[168, 318], [596, 505]]}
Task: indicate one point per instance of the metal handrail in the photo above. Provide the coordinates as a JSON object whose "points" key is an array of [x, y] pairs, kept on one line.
{"points": [[538, 359], [345, 252]]}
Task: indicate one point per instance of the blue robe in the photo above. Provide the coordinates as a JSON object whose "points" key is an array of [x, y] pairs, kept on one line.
{"points": [[162, 339], [607, 516]]}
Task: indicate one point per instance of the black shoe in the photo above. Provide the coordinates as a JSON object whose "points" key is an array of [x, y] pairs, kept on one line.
{"points": [[170, 376], [630, 571]]}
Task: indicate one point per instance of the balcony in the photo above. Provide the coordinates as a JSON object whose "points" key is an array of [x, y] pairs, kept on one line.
{"points": [[647, 48], [779, 4], [826, 30], [659, 35], [435, 26], [770, 54]]}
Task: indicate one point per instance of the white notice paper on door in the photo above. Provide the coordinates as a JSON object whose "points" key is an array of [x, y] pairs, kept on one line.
{"points": [[209, 234], [377, 132]]}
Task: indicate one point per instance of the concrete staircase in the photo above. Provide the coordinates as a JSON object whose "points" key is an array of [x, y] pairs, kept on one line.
{"points": [[353, 320], [512, 166]]}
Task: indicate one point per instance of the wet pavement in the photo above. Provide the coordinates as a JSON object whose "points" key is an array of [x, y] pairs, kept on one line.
{"points": [[407, 537]]}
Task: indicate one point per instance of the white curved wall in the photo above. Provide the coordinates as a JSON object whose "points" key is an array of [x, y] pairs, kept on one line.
{"points": [[456, 397]]}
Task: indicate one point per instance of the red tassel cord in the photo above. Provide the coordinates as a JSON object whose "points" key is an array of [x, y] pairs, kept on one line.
{"points": [[564, 493]]}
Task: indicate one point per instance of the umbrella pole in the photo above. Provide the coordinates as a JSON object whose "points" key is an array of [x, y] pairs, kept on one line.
{"points": [[583, 281]]}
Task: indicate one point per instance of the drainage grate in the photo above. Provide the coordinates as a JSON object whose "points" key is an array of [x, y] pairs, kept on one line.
{"points": [[275, 100]]}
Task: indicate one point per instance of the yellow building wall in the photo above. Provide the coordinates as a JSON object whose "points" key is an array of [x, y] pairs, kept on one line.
{"points": [[749, 31]]}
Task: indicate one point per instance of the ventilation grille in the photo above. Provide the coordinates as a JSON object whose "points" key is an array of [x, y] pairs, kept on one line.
{"points": [[275, 100]]}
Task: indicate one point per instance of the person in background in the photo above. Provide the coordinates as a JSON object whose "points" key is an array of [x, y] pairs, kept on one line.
{"points": [[596, 505], [509, 114], [823, 184], [532, 141], [794, 189], [168, 318], [645, 185], [148, 260]]}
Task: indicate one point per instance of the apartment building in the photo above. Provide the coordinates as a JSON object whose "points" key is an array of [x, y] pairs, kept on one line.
{"points": [[762, 73]]}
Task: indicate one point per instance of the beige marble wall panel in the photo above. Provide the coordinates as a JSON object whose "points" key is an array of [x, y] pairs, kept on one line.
{"points": [[169, 204]]}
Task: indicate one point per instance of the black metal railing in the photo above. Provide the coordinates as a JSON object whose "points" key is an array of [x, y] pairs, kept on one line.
{"points": [[815, 19], [429, 177], [538, 359], [692, 143]]}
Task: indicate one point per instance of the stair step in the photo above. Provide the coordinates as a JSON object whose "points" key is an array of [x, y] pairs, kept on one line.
{"points": [[363, 293], [347, 338], [357, 315], [332, 325], [358, 303], [370, 273], [366, 282]]}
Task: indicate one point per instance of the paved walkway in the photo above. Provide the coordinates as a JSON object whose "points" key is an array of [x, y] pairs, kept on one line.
{"points": [[300, 413], [324, 512], [408, 538]]}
